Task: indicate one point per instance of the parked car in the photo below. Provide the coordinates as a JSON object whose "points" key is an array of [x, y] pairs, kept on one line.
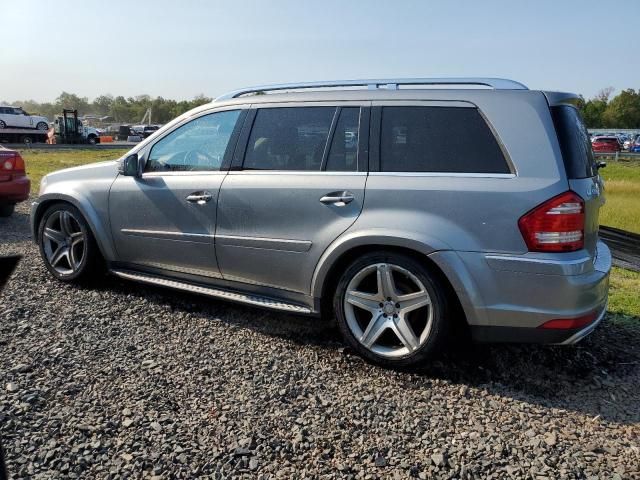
{"points": [[15, 117], [14, 183], [634, 146], [403, 236], [606, 145]]}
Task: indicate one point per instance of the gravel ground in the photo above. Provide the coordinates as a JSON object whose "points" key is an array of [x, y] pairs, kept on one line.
{"points": [[128, 381]]}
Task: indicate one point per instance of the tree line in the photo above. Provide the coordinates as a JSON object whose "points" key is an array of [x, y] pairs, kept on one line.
{"points": [[120, 109], [601, 111], [621, 111]]}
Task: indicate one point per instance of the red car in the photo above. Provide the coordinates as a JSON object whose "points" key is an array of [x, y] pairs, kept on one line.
{"points": [[605, 145], [14, 184]]}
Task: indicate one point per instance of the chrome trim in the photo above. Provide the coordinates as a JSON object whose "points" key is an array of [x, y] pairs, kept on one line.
{"points": [[164, 235], [372, 84], [575, 338], [443, 174], [295, 172], [255, 300], [265, 243], [184, 173], [524, 264]]}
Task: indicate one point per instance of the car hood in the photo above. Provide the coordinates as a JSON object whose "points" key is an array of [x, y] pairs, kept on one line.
{"points": [[92, 171]]}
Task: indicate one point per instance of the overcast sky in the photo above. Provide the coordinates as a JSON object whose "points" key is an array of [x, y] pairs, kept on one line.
{"points": [[178, 49]]}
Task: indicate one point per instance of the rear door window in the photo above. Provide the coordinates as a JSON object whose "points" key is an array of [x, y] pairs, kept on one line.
{"points": [[574, 142], [289, 138], [343, 153], [438, 139]]}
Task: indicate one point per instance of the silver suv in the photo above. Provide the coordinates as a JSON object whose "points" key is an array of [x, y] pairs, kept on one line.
{"points": [[400, 209]]}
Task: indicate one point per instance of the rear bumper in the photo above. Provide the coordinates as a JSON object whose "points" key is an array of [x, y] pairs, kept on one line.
{"points": [[507, 298], [15, 190]]}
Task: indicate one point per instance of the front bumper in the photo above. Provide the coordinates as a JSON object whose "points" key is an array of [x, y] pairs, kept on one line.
{"points": [[15, 190]]}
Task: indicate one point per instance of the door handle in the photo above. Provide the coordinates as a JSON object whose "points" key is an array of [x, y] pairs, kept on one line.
{"points": [[339, 199], [199, 198]]}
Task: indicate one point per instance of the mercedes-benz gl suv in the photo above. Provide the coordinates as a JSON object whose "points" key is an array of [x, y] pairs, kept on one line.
{"points": [[398, 209]]}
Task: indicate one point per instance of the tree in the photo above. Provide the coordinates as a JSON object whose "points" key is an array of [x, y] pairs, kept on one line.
{"points": [[623, 111]]}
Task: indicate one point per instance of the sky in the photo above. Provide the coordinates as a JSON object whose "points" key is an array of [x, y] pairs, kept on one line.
{"points": [[181, 48]]}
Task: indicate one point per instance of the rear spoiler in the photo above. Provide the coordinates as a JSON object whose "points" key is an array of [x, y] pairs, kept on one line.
{"points": [[562, 98]]}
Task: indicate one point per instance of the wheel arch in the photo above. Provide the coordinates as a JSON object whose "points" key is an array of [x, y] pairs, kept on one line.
{"points": [[335, 261], [98, 229]]}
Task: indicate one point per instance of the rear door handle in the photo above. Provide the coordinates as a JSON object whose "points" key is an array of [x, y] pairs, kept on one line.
{"points": [[339, 199], [199, 198]]}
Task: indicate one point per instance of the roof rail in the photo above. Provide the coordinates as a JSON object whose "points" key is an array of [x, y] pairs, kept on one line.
{"points": [[389, 83]]}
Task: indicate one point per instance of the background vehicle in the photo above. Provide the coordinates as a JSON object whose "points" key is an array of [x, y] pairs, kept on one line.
{"points": [[15, 117], [69, 129], [605, 144], [14, 184], [145, 130], [261, 199]]}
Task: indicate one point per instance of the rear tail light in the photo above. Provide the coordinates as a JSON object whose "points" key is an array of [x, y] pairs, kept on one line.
{"points": [[555, 226], [570, 323], [11, 162]]}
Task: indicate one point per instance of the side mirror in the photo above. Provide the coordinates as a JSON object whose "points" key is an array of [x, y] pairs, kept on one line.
{"points": [[131, 166], [601, 164]]}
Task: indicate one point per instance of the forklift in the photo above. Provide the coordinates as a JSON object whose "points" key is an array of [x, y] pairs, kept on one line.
{"points": [[69, 130]]}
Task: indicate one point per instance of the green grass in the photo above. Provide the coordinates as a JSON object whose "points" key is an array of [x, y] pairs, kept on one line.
{"points": [[41, 162], [624, 297], [622, 191]]}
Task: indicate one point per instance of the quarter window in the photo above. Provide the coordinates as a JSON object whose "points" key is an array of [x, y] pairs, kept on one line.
{"points": [[199, 145], [343, 154], [289, 138], [438, 139]]}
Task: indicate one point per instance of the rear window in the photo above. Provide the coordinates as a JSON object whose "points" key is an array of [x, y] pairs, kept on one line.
{"points": [[438, 139], [574, 142]]}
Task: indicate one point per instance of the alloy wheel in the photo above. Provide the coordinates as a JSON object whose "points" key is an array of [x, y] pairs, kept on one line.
{"points": [[64, 242], [388, 310]]}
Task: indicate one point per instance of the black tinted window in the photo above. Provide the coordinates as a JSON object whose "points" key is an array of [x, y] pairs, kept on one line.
{"points": [[200, 144], [574, 142], [343, 154], [288, 138], [438, 139]]}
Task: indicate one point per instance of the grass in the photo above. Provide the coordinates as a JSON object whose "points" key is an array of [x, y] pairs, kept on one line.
{"points": [[622, 191], [41, 162], [624, 297], [622, 210]]}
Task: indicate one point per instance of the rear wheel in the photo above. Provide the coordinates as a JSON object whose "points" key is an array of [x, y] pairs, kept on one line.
{"points": [[7, 210], [92, 140], [2, 124], [67, 245], [42, 126], [391, 309]]}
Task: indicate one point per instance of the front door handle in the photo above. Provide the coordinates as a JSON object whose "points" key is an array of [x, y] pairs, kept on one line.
{"points": [[199, 198], [339, 199]]}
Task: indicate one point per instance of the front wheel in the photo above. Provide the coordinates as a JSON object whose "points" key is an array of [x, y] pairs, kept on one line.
{"points": [[67, 245], [391, 310], [2, 124], [42, 126], [92, 140]]}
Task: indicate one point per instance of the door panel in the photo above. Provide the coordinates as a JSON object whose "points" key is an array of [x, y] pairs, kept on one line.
{"points": [[273, 228], [153, 224]]}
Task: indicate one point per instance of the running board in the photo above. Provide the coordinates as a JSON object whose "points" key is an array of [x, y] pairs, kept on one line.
{"points": [[249, 299]]}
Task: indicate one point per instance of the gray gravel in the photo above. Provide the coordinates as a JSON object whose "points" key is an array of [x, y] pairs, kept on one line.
{"points": [[127, 381]]}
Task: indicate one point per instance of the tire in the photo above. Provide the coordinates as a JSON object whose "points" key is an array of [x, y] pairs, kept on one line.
{"points": [[7, 210], [42, 126], [92, 140], [2, 124], [26, 139], [68, 248], [380, 321]]}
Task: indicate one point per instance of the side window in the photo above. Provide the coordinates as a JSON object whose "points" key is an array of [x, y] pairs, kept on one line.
{"points": [[343, 153], [198, 145], [289, 138], [438, 139]]}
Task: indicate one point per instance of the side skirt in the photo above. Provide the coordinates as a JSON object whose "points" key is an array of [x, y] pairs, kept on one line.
{"points": [[224, 294]]}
